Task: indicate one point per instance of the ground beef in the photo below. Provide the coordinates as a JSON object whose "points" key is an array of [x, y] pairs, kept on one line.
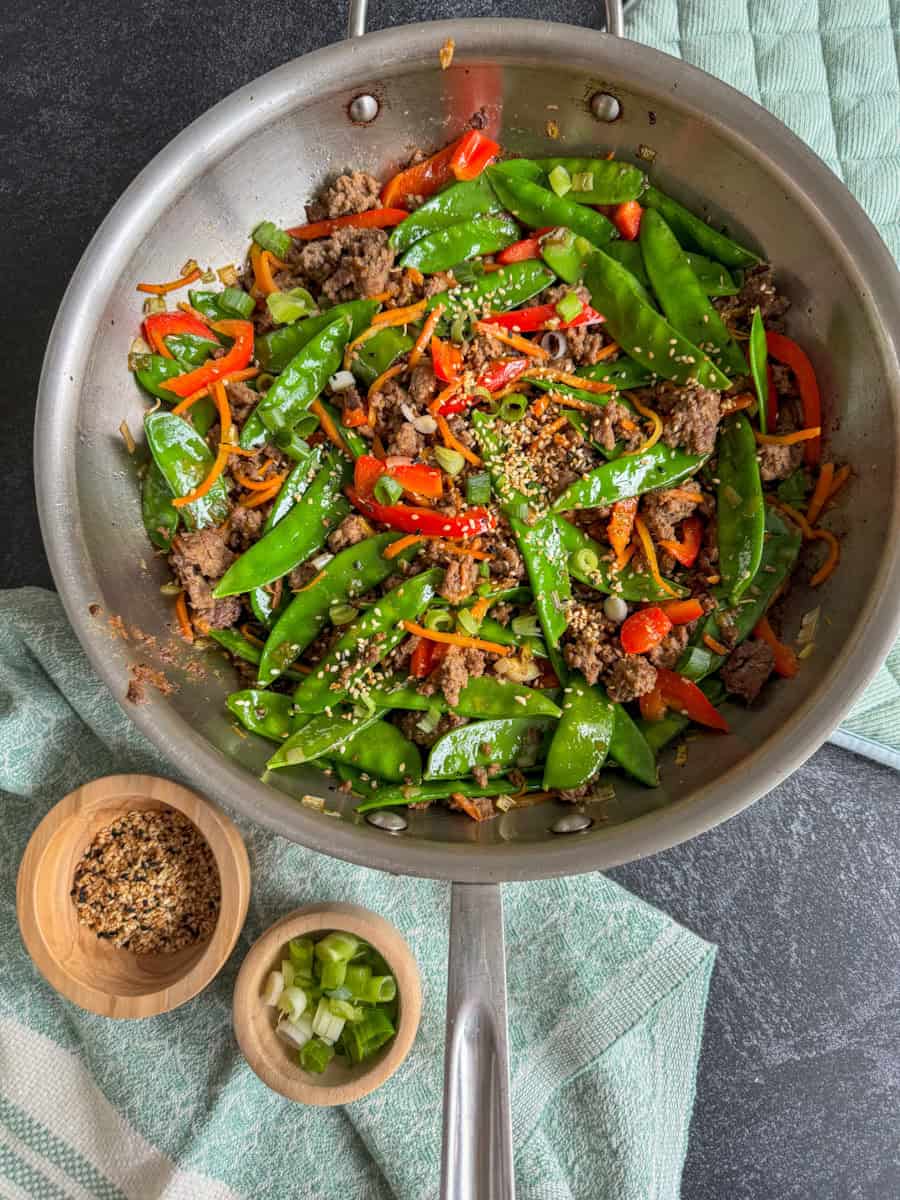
{"points": [[422, 385], [592, 644], [349, 264], [457, 666], [199, 560], [242, 400], [573, 795], [708, 558], [690, 414], [244, 527], [460, 580], [301, 576], [355, 192], [483, 350], [585, 344], [747, 669], [632, 676], [670, 649], [777, 462], [351, 530], [785, 381], [758, 289], [507, 564], [606, 426], [407, 441], [462, 430], [664, 510], [479, 808], [350, 401], [408, 724], [441, 281]]}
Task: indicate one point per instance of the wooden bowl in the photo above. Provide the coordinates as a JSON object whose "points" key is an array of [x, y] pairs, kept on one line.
{"points": [[87, 970], [272, 1059]]}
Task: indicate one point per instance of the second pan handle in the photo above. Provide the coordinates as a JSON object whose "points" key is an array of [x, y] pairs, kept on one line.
{"points": [[615, 17]]}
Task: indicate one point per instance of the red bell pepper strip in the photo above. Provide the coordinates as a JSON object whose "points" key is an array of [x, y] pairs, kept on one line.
{"points": [[785, 350], [688, 548], [414, 477], [234, 360], [494, 378], [426, 177], [160, 325], [406, 519], [682, 612], [529, 247], [541, 316], [680, 693], [627, 219], [420, 661], [375, 218], [446, 359], [644, 629], [472, 154]]}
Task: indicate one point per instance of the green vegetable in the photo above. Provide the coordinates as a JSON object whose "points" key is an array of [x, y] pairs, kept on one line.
{"points": [[443, 249], [713, 276], [627, 583], [598, 180], [658, 467], [269, 237], [740, 510], [184, 461], [581, 739], [565, 254], [629, 748], [223, 306], [387, 490], [759, 354], [625, 373], [484, 696], [238, 647], [382, 750], [316, 1055], [423, 793], [560, 180], [448, 460], [287, 307], [159, 515], [373, 357], [796, 488], [499, 291], [569, 306], [269, 714], [505, 742], [478, 488], [457, 203], [695, 234], [300, 477], [320, 736], [538, 207], [190, 350], [275, 350], [364, 1038]]}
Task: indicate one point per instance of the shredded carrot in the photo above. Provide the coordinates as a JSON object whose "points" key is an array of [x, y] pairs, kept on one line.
{"points": [[312, 583], [400, 316], [236, 449], [494, 266], [250, 637], [260, 498], [567, 402], [378, 384], [650, 554], [160, 289], [404, 543], [480, 607], [512, 339], [257, 485], [464, 551], [840, 478], [234, 377], [786, 663], [421, 343], [834, 556], [540, 405], [711, 579], [821, 492], [610, 156], [440, 399], [794, 514], [260, 261], [328, 426], [453, 443], [184, 621], [221, 459], [627, 556], [547, 432], [416, 278], [621, 527], [788, 439], [651, 415], [380, 297], [513, 389], [357, 341], [576, 381], [455, 639], [716, 647], [685, 494], [738, 403], [192, 312], [607, 352], [467, 804]]}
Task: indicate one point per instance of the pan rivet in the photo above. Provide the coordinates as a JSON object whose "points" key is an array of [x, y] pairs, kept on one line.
{"points": [[575, 822], [605, 106], [390, 822], [363, 109]]}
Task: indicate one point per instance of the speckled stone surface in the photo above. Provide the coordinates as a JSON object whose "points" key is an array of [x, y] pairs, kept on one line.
{"points": [[799, 1087]]}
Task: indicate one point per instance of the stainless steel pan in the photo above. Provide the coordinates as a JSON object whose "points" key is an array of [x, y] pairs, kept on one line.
{"points": [[364, 103]]}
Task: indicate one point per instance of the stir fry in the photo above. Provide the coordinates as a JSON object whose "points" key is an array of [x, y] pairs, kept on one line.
{"points": [[487, 479]]}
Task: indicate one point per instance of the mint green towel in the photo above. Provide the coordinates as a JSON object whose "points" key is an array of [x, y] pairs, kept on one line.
{"points": [[607, 997]]}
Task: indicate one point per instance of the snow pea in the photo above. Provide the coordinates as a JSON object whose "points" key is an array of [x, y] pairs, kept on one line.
{"points": [[759, 355], [714, 277], [381, 750], [782, 545], [740, 509], [298, 480], [189, 350], [565, 254], [269, 714], [320, 736], [298, 535], [352, 572], [482, 697], [239, 647], [442, 789], [540, 544], [356, 444], [641, 331], [538, 207], [506, 742], [695, 234], [458, 202], [152, 370], [443, 249], [223, 306], [274, 350], [658, 467], [159, 514], [184, 460], [377, 631], [581, 738], [682, 296], [628, 255], [625, 373], [659, 733], [496, 291], [378, 353], [627, 583], [614, 181], [630, 749], [298, 384], [580, 419]]}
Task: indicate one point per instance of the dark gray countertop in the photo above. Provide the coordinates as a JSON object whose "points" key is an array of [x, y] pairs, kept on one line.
{"points": [[799, 1087]]}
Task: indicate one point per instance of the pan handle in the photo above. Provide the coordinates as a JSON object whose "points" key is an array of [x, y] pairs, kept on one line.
{"points": [[477, 1157], [615, 19]]}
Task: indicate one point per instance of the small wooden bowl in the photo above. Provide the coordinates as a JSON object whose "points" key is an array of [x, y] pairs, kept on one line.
{"points": [[87, 970], [272, 1059]]}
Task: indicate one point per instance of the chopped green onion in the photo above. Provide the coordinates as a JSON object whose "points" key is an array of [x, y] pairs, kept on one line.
{"points": [[316, 1055], [478, 488], [368, 1035], [287, 307], [325, 1024], [467, 622], [269, 237], [264, 381], [468, 272], [341, 1008], [337, 947], [341, 614], [292, 1002], [429, 721], [333, 975], [236, 300], [484, 572], [291, 444], [560, 180], [357, 980], [458, 329], [287, 972], [154, 304], [450, 460], [439, 619], [301, 951], [569, 306], [583, 246], [273, 989], [380, 989], [583, 181], [585, 561], [388, 490], [521, 510], [513, 408], [526, 626], [297, 1033]]}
